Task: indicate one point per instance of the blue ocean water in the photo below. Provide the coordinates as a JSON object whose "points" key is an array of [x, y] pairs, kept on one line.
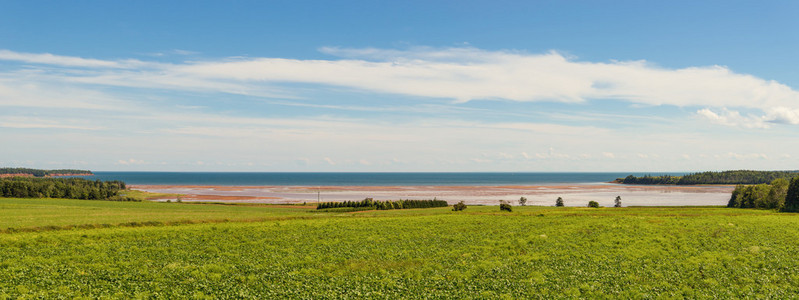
{"points": [[360, 179]]}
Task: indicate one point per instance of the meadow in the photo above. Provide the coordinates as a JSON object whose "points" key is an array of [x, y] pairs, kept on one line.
{"points": [[179, 250]]}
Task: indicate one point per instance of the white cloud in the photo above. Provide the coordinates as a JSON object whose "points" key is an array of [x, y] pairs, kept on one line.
{"points": [[39, 123], [733, 118], [608, 155], [783, 115], [330, 161], [462, 74], [71, 61], [734, 155], [131, 161]]}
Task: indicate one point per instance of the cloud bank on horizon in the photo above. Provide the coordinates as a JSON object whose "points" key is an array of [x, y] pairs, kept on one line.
{"points": [[549, 111]]}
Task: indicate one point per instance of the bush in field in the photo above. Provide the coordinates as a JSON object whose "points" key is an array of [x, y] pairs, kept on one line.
{"points": [[522, 201], [458, 207], [504, 205], [559, 202], [593, 204], [617, 202]]}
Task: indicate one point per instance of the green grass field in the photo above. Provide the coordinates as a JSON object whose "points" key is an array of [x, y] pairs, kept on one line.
{"points": [[268, 252]]}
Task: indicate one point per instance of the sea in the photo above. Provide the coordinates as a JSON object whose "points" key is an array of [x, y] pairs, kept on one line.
{"points": [[364, 178]]}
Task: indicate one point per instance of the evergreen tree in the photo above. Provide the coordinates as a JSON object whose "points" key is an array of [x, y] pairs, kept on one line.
{"points": [[559, 202], [734, 199], [617, 202], [792, 196]]}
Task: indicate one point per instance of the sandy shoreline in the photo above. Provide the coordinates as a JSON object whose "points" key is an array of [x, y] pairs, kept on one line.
{"points": [[573, 194]]}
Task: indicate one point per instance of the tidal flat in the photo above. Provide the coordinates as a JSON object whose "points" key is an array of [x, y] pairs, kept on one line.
{"points": [[541, 195]]}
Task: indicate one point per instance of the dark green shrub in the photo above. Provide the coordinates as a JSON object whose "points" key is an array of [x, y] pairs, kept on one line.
{"points": [[503, 205], [559, 202], [458, 207], [593, 204]]}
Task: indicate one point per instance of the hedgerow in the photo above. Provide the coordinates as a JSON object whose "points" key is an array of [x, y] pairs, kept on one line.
{"points": [[385, 204]]}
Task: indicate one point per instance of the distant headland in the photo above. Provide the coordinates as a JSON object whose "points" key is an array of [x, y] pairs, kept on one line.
{"points": [[725, 177], [27, 172]]}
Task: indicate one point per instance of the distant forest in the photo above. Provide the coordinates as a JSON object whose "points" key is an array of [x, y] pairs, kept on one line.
{"points": [[69, 188], [40, 173], [725, 177]]}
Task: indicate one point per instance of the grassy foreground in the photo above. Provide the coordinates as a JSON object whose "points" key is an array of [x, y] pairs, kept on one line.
{"points": [[534, 252]]}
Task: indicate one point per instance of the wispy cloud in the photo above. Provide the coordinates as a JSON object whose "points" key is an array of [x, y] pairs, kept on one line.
{"points": [[460, 74], [72, 61], [733, 118]]}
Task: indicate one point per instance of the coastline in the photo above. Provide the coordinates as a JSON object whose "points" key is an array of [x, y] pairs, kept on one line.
{"points": [[544, 194]]}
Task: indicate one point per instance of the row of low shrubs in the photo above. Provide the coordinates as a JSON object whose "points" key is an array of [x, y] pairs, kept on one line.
{"points": [[506, 205], [384, 204], [369, 204]]}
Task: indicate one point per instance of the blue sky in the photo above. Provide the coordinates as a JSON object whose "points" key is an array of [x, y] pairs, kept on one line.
{"points": [[405, 86]]}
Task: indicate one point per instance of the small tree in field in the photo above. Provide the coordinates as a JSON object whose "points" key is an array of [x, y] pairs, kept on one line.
{"points": [[593, 204], [522, 201], [559, 202], [458, 207], [617, 202]]}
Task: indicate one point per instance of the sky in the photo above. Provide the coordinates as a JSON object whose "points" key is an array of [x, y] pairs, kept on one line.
{"points": [[402, 86]]}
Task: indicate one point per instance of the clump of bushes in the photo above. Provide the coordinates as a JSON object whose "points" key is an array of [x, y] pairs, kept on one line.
{"points": [[384, 205], [593, 204], [504, 205], [458, 207], [768, 196]]}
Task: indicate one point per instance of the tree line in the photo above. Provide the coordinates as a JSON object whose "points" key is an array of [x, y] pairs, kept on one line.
{"points": [[69, 188], [41, 173], [780, 194], [385, 204], [725, 177]]}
